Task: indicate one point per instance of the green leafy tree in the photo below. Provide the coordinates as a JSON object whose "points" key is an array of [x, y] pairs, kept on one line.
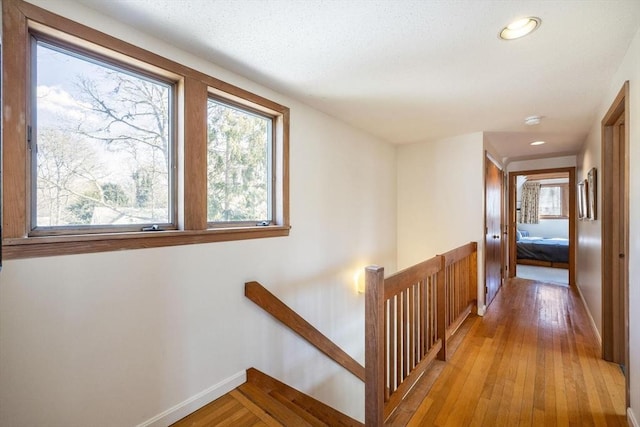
{"points": [[237, 164], [111, 196], [114, 195]]}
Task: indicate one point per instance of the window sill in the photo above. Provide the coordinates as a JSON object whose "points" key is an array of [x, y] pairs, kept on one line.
{"points": [[30, 247]]}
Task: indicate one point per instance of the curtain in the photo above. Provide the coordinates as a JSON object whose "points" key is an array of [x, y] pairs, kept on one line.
{"points": [[529, 206]]}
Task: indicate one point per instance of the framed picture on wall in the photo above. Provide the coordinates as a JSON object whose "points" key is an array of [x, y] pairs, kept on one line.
{"points": [[592, 183], [582, 199]]}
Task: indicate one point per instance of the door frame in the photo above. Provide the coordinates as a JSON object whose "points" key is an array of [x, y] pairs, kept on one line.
{"points": [[615, 334], [572, 217]]}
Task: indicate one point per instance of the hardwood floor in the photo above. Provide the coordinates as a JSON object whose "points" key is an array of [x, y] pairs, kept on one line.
{"points": [[533, 360]]}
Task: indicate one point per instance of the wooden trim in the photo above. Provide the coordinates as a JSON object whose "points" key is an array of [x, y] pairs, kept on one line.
{"points": [[194, 149], [283, 168], [544, 176], [49, 246], [275, 307], [572, 217], [615, 235], [314, 407], [14, 116], [539, 263], [193, 86]]}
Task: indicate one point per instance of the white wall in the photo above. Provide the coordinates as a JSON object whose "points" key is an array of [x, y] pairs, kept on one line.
{"points": [[548, 228], [548, 163], [441, 199], [589, 232], [117, 338]]}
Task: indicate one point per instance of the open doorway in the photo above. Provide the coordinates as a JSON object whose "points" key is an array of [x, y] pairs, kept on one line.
{"points": [[542, 225], [615, 233]]}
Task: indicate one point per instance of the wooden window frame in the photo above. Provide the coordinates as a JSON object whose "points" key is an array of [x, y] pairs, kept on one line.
{"points": [[79, 48], [192, 91], [272, 116], [565, 201]]}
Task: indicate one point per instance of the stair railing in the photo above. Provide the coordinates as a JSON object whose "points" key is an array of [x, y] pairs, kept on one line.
{"points": [[409, 317], [461, 283], [272, 305]]}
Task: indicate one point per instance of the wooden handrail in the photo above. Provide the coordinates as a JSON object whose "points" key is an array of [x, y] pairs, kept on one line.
{"points": [[275, 307], [460, 253], [409, 317]]}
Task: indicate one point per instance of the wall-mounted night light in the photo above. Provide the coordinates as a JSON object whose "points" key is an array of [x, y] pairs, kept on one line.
{"points": [[358, 280]]}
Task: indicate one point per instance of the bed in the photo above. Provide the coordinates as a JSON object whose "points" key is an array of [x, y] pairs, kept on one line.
{"points": [[549, 252]]}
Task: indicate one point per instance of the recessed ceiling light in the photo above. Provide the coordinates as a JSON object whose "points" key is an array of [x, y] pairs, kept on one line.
{"points": [[532, 120], [520, 28], [538, 142]]}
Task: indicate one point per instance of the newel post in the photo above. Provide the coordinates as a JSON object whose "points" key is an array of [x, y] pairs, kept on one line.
{"points": [[374, 347], [443, 307]]}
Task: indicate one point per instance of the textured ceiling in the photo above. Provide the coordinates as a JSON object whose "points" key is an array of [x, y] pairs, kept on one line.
{"points": [[409, 71]]}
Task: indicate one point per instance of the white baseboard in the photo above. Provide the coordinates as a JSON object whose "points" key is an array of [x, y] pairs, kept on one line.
{"points": [[593, 323], [482, 310], [196, 402], [631, 418]]}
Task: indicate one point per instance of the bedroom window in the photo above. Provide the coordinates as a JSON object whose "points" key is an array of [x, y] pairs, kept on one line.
{"points": [[554, 201], [108, 146]]}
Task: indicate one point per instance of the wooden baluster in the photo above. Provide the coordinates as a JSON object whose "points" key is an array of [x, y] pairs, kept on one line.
{"points": [[457, 267], [399, 358], [473, 275], [450, 290], [467, 299], [393, 343], [387, 346], [405, 334], [423, 318], [441, 310], [412, 329], [431, 313]]}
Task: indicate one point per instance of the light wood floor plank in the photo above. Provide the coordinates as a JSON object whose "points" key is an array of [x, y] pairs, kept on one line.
{"points": [[532, 360]]}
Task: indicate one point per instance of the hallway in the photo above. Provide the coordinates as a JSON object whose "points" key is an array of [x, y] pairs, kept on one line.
{"points": [[533, 360]]}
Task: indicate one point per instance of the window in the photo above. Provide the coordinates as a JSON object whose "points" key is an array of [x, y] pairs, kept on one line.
{"points": [[554, 201], [238, 165], [113, 147], [104, 144]]}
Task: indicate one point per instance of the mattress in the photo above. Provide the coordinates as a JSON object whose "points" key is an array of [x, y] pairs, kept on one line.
{"points": [[537, 248]]}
